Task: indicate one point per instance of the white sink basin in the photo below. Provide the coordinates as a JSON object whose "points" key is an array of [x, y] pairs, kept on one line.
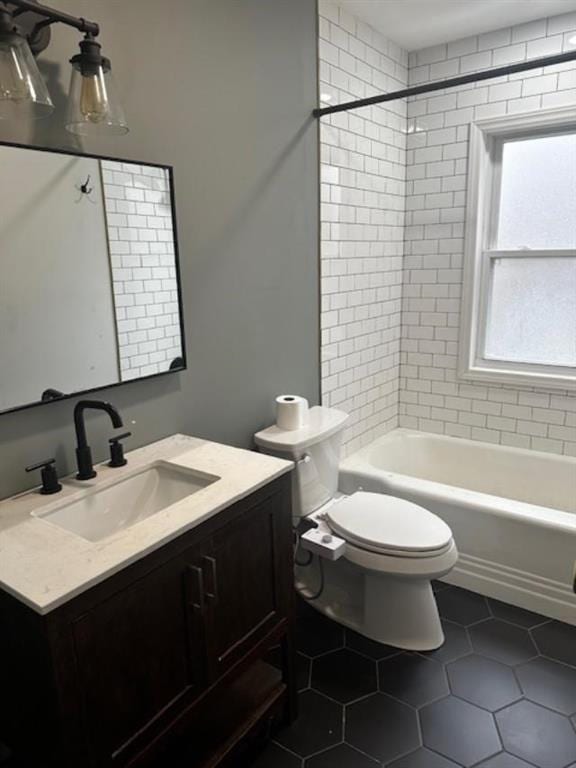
{"points": [[104, 511]]}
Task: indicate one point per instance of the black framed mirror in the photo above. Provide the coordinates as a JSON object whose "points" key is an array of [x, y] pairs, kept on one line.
{"points": [[90, 292]]}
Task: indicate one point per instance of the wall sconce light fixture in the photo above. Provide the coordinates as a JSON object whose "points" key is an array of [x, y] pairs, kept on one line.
{"points": [[94, 107]]}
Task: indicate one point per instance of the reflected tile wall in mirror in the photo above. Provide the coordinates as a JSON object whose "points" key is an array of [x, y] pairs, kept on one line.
{"points": [[142, 253]]}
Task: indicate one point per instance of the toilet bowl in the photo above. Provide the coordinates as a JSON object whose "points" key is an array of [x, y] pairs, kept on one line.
{"points": [[391, 549]]}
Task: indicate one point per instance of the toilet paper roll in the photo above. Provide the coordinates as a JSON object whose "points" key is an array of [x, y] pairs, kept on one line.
{"points": [[291, 412]]}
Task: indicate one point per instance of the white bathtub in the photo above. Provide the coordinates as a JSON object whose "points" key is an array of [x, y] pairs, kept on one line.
{"points": [[512, 511]]}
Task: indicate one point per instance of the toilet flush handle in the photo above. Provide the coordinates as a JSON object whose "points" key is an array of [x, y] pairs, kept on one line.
{"points": [[306, 459]]}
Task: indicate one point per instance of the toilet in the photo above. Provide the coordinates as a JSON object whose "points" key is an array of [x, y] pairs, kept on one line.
{"points": [[388, 549]]}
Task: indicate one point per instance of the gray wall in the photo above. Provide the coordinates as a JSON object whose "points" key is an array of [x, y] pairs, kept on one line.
{"points": [[223, 91]]}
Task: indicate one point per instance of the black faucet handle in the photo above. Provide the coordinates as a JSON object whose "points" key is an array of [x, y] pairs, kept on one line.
{"points": [[117, 458], [116, 438], [50, 482]]}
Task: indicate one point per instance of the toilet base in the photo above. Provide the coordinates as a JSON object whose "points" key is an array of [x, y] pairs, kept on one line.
{"points": [[399, 611], [402, 613]]}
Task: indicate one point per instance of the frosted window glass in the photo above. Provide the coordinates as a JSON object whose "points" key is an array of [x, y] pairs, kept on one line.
{"points": [[532, 316], [538, 196]]}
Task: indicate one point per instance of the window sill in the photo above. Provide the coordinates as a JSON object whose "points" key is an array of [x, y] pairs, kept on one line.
{"points": [[517, 378]]}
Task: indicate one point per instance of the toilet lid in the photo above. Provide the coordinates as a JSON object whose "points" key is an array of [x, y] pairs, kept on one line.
{"points": [[380, 522]]}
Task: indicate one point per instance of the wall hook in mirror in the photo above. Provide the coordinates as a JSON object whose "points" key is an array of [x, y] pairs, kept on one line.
{"points": [[85, 190]]}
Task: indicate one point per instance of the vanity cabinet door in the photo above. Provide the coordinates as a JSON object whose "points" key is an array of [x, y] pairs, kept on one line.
{"points": [[248, 580], [140, 656]]}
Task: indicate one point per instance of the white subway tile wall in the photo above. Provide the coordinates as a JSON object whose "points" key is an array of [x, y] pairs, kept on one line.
{"points": [[363, 174], [432, 398], [393, 198], [143, 262]]}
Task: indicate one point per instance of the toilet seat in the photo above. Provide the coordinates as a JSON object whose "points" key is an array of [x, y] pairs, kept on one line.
{"points": [[389, 526]]}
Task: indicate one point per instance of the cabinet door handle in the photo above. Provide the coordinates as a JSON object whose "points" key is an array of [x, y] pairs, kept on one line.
{"points": [[197, 588], [210, 562]]}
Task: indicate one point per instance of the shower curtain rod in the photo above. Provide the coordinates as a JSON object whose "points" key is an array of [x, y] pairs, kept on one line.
{"points": [[453, 82]]}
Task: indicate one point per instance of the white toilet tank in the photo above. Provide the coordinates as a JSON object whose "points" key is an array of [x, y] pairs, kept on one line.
{"points": [[315, 448]]}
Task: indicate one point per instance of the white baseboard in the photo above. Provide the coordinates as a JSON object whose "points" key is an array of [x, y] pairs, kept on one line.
{"points": [[526, 590]]}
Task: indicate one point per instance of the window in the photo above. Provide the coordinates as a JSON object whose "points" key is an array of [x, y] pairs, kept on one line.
{"points": [[519, 300]]}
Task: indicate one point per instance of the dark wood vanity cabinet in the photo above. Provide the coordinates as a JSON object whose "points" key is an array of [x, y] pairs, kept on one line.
{"points": [[245, 572], [140, 653], [170, 651]]}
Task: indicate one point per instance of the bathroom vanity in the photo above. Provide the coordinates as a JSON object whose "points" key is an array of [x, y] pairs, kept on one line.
{"points": [[143, 640]]}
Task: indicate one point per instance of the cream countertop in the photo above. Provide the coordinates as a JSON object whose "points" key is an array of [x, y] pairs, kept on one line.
{"points": [[44, 565]]}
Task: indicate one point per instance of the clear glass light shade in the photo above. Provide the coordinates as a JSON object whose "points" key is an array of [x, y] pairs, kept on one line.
{"points": [[94, 108], [23, 92]]}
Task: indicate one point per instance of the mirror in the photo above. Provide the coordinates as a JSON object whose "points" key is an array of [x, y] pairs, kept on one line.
{"points": [[89, 282]]}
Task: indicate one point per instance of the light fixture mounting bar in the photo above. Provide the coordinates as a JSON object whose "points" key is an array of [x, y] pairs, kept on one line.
{"points": [[440, 85], [54, 16]]}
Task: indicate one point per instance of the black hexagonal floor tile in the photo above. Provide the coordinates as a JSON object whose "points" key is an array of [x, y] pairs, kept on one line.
{"points": [[303, 666], [413, 679], [317, 634], [275, 756], [438, 586], [422, 758], [537, 735], [461, 606], [503, 642], [303, 670], [557, 640], [342, 756], [505, 760], [5, 754], [514, 615], [303, 608], [460, 731], [487, 683], [344, 675], [370, 648], [319, 725], [549, 683], [456, 644], [381, 727]]}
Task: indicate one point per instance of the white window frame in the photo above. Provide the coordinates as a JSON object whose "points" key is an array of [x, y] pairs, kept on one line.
{"points": [[484, 178]]}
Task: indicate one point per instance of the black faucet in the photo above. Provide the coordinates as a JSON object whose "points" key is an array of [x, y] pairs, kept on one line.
{"points": [[83, 452]]}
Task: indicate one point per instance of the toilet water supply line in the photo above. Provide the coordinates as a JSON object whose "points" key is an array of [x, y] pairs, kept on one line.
{"points": [[315, 595], [303, 524]]}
